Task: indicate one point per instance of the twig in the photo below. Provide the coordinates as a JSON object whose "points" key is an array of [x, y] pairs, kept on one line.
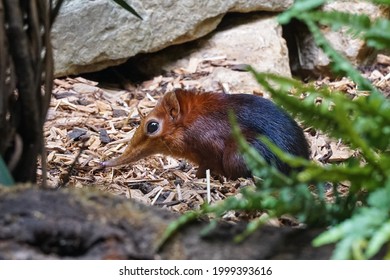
{"points": [[208, 186], [66, 177]]}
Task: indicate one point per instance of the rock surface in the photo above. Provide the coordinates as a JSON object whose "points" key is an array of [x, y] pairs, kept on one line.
{"points": [[240, 40], [92, 35]]}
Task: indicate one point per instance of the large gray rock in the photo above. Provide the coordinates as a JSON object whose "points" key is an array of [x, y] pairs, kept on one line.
{"points": [[241, 39], [257, 41], [92, 35]]}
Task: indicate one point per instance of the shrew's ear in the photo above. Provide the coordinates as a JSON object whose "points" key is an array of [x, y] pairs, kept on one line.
{"points": [[171, 104]]}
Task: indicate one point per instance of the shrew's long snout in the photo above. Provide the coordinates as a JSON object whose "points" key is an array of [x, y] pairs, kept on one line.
{"points": [[138, 148], [121, 160], [130, 155]]}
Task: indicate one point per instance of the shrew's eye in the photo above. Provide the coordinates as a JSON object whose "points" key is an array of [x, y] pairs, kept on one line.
{"points": [[152, 127]]}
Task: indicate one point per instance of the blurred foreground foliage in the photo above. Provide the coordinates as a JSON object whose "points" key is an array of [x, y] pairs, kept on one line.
{"points": [[359, 222]]}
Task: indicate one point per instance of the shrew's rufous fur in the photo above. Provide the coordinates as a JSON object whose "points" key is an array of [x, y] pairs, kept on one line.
{"points": [[195, 126]]}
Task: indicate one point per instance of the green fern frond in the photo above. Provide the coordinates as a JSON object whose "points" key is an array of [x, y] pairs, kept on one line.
{"points": [[379, 35], [340, 64], [337, 20], [299, 7], [376, 33], [363, 226], [176, 225], [382, 2], [339, 121], [359, 219], [381, 237]]}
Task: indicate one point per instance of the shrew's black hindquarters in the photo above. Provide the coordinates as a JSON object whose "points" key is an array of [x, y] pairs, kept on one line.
{"points": [[258, 116]]}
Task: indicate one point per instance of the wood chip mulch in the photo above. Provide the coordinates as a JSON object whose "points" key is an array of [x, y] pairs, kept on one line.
{"points": [[88, 123]]}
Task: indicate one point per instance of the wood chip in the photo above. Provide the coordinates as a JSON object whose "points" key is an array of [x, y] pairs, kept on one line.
{"points": [[383, 59]]}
